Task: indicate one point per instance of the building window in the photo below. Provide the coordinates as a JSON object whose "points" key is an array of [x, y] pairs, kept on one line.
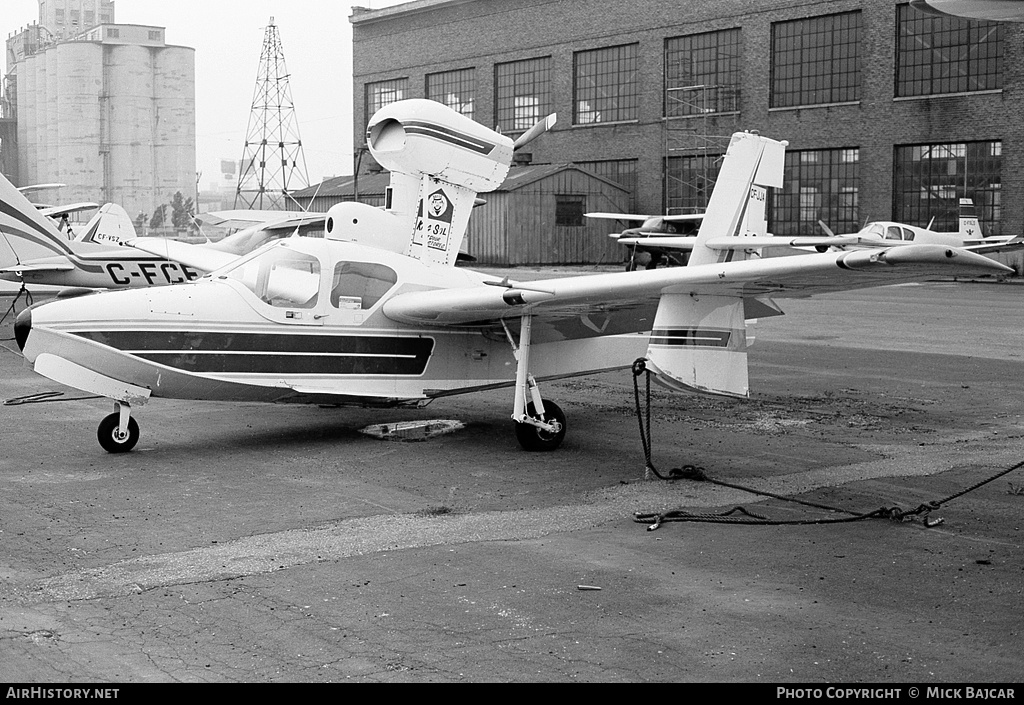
{"points": [[816, 61], [930, 179], [113, 32], [689, 181], [154, 35], [569, 211], [819, 185], [456, 89], [522, 93], [621, 171], [702, 73], [384, 93], [59, 15], [605, 86], [90, 18], [946, 54]]}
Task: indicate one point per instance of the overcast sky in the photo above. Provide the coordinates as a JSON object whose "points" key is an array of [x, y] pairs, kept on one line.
{"points": [[228, 37]]}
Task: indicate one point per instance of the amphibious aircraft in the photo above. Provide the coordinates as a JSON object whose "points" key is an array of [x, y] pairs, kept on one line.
{"points": [[375, 314]]}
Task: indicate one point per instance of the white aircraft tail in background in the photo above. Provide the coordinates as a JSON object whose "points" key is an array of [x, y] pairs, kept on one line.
{"points": [[111, 226]]}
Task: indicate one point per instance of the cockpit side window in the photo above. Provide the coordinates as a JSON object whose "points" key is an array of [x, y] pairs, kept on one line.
{"points": [[893, 233], [281, 277], [360, 284], [908, 234]]}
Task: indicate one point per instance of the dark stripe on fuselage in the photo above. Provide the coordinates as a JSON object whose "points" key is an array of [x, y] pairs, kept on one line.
{"points": [[272, 353], [691, 337]]}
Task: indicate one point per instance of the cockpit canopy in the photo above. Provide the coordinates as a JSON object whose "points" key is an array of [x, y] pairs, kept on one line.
{"points": [[889, 231], [286, 277]]}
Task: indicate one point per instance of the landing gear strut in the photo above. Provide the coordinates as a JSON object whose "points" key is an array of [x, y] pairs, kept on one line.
{"points": [[118, 432], [539, 425]]}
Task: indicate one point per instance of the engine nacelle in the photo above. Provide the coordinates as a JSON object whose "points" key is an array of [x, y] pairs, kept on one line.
{"points": [[362, 223], [423, 137]]}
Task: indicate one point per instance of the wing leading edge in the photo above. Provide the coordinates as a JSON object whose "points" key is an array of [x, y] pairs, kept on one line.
{"points": [[779, 277]]}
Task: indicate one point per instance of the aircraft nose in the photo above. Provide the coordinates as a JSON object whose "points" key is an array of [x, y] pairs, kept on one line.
{"points": [[22, 327]]}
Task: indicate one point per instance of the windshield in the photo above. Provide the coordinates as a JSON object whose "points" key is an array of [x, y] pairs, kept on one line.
{"points": [[280, 277]]}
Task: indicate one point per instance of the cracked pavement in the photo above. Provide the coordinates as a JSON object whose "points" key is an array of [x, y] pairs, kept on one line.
{"points": [[247, 543]]}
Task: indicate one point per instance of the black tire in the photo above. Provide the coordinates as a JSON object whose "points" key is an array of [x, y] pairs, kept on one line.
{"points": [[108, 438], [532, 438]]}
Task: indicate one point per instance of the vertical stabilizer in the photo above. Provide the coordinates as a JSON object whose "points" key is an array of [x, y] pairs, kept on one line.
{"points": [[970, 226], [737, 204], [110, 226], [699, 344]]}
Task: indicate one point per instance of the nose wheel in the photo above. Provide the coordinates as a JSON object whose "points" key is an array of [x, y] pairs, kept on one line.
{"points": [[116, 437]]}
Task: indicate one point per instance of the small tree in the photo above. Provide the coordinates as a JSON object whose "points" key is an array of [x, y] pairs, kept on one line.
{"points": [[159, 216], [181, 212]]}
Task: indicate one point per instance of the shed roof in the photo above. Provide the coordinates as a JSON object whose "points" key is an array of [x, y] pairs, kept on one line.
{"points": [[375, 184]]}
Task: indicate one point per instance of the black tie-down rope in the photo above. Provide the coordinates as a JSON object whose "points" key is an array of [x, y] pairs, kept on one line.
{"points": [[693, 472], [23, 291]]}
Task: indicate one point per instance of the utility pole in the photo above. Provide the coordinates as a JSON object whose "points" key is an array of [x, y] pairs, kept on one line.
{"points": [[272, 163]]}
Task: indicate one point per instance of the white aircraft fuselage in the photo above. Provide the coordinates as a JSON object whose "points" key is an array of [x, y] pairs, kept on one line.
{"points": [[224, 338]]}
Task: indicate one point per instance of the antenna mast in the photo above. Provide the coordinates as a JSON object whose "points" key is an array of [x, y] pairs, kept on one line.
{"points": [[272, 163]]}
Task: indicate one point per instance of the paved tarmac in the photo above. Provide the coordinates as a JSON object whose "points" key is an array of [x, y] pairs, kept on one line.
{"points": [[250, 543]]}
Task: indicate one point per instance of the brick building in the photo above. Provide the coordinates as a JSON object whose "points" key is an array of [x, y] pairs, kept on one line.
{"points": [[889, 112]]}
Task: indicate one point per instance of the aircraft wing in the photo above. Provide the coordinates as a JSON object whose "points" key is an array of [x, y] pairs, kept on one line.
{"points": [[57, 211], [245, 218], [635, 216], [296, 221], [198, 257], [755, 280], [672, 242], [995, 244]]}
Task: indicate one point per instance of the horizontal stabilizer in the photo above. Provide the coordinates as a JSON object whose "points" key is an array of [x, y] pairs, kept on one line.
{"points": [[39, 267]]}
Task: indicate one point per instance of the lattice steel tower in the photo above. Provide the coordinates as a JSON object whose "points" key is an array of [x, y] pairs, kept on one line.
{"points": [[272, 164]]}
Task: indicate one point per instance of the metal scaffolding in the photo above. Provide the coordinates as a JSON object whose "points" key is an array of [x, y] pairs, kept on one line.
{"points": [[272, 164], [694, 120]]}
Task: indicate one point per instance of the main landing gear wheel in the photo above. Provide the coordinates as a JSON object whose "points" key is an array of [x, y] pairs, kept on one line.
{"points": [[110, 437], [534, 438]]}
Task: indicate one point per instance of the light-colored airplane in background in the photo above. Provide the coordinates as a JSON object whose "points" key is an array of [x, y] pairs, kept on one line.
{"points": [[874, 234], [969, 236], [375, 314], [648, 227], [34, 250]]}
